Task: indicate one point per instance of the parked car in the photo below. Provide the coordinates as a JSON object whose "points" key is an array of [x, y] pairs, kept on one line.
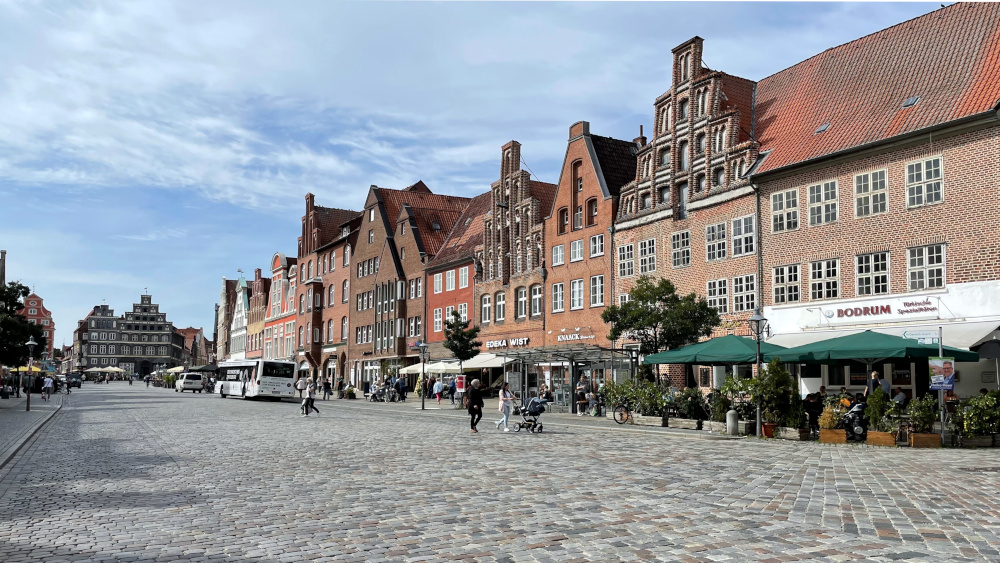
{"points": [[189, 381], [74, 380]]}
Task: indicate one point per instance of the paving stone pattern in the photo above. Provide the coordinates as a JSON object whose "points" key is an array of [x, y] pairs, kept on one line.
{"points": [[135, 474]]}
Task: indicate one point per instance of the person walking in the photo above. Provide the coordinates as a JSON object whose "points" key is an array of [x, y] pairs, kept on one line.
{"points": [[130, 380], [47, 388], [300, 385], [439, 391], [506, 402], [309, 404], [452, 389], [327, 389], [475, 405]]}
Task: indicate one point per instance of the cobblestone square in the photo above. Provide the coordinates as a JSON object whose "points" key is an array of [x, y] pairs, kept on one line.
{"points": [[134, 474]]}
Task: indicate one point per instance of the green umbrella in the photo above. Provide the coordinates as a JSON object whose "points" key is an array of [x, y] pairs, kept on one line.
{"points": [[724, 350], [868, 347]]}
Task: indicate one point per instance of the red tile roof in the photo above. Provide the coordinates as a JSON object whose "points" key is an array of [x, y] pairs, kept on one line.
{"points": [[545, 193], [468, 232], [950, 58], [330, 220], [427, 208]]}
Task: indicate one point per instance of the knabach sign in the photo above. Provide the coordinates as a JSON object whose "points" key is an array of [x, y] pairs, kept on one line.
{"points": [[507, 343]]}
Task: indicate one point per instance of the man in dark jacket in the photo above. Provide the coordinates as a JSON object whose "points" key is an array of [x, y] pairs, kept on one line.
{"points": [[475, 405]]}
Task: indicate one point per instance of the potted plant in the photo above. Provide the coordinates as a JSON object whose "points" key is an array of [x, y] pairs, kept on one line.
{"points": [[794, 422], [923, 413], [879, 427], [692, 409], [979, 421], [773, 391], [830, 430]]}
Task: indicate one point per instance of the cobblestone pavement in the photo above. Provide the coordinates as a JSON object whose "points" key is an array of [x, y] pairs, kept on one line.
{"points": [[135, 474], [16, 424]]}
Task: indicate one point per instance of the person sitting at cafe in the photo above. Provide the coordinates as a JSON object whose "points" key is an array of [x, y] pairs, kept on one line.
{"points": [[822, 390], [983, 391], [899, 397]]}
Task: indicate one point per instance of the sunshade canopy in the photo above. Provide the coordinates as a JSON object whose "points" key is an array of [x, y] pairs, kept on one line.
{"points": [[410, 370], [442, 367], [867, 346], [34, 369], [92, 370], [178, 369], [486, 360], [724, 350]]}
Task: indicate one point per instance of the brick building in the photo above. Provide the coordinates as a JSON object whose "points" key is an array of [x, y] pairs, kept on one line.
{"points": [[400, 231], [240, 311], [260, 293], [279, 323], [224, 317], [335, 330], [34, 310]]}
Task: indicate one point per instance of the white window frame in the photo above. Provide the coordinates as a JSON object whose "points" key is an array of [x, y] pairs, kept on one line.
{"points": [[680, 249], [596, 245], [437, 320], [576, 250], [463, 310], [558, 297], [823, 285], [647, 256], [823, 202], [744, 293], [785, 211], [871, 274], [558, 255], [521, 306], [463, 277], [919, 266], [449, 280], [626, 260], [501, 306], [717, 294], [597, 291], [576, 294], [448, 310], [486, 307], [786, 284], [744, 231], [917, 181], [871, 193], [715, 242]]}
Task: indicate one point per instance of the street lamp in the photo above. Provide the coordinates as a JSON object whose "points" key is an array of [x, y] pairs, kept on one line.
{"points": [[423, 375], [31, 363], [758, 325]]}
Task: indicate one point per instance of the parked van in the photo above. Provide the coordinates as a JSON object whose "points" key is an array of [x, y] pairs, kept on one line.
{"points": [[188, 381]]}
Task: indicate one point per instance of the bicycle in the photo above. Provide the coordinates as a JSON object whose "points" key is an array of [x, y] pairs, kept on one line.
{"points": [[623, 413]]}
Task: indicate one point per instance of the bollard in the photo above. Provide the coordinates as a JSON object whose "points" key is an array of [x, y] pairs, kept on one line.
{"points": [[732, 423]]}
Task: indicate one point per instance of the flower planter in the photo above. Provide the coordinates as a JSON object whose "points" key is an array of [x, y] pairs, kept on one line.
{"points": [[887, 439], [978, 441], [925, 440], [646, 420], [832, 436], [794, 434], [768, 428], [714, 427], [685, 423], [996, 440]]}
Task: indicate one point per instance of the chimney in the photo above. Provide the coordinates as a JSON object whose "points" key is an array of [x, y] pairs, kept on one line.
{"points": [[3, 267], [640, 141]]}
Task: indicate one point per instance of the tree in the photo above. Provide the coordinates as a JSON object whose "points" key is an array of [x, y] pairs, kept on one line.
{"points": [[15, 330], [461, 339], [659, 319]]}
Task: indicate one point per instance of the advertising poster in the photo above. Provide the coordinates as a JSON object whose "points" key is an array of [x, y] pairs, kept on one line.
{"points": [[942, 372]]}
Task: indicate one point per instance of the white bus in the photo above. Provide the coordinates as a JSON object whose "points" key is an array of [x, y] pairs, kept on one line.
{"points": [[255, 378]]}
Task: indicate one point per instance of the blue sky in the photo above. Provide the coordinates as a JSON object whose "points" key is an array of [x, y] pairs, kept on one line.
{"points": [[166, 144]]}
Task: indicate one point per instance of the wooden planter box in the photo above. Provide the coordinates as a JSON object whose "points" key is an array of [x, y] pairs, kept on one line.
{"points": [[685, 423], [881, 439], [832, 436], [977, 441], [714, 427], [794, 434], [925, 440], [646, 420]]}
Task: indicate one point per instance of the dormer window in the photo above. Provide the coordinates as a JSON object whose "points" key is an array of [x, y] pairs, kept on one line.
{"points": [[910, 102], [822, 128]]}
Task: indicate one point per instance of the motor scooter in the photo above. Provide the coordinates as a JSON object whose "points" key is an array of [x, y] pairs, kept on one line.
{"points": [[855, 423]]}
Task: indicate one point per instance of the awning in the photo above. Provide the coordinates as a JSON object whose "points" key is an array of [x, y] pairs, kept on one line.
{"points": [[867, 346], [957, 335], [723, 350], [485, 361], [178, 369], [411, 370], [442, 367]]}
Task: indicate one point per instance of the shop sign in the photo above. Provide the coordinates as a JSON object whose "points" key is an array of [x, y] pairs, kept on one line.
{"points": [[574, 336], [505, 343], [900, 309]]}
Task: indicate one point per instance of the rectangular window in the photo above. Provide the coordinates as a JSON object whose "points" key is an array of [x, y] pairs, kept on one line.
{"points": [[576, 251], [623, 299], [872, 274], [785, 211], [715, 242], [744, 293], [925, 267], [536, 300], [786, 284], [558, 257], [419, 325], [626, 261], [718, 295], [420, 288], [923, 182], [869, 194], [596, 291], [824, 279], [437, 320], [522, 303], [449, 284], [597, 245], [823, 203], [744, 232], [486, 308], [576, 294], [447, 312], [578, 218], [437, 283], [647, 256], [501, 306], [680, 249], [463, 311], [463, 277], [557, 297]]}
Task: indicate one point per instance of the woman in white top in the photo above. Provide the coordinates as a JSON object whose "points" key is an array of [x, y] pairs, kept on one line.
{"points": [[438, 390], [506, 401]]}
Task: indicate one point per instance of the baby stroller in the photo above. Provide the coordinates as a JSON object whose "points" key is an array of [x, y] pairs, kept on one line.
{"points": [[529, 415]]}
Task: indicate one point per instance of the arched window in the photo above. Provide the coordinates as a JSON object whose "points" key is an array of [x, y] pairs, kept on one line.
{"points": [[563, 221], [333, 260], [684, 67], [343, 328], [664, 120], [720, 176], [329, 298], [702, 101], [343, 292], [591, 212], [302, 304], [682, 148], [347, 255], [485, 308], [310, 269], [301, 332]]}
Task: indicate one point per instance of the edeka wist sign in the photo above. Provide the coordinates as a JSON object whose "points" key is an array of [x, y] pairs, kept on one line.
{"points": [[505, 343], [881, 311]]}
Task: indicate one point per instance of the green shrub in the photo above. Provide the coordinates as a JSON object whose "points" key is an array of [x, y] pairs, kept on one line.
{"points": [[923, 413], [720, 405], [879, 405], [980, 417], [740, 393], [796, 415], [169, 379], [774, 391], [691, 404], [644, 397]]}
